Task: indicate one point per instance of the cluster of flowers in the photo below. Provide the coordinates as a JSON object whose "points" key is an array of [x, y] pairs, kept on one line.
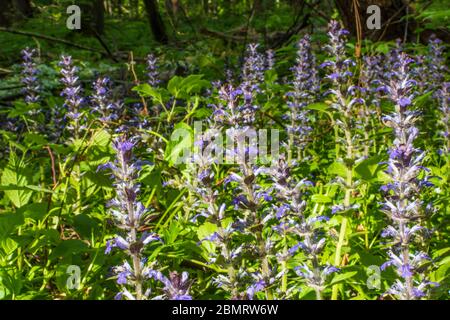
{"points": [[402, 194], [265, 220], [130, 216], [29, 72], [266, 211]]}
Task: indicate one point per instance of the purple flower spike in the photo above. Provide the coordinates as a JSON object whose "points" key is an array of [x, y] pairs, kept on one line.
{"points": [[29, 78], [402, 194]]}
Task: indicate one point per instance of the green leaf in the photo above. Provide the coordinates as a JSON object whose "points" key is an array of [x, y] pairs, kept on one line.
{"points": [[8, 245], [34, 138], [201, 113], [343, 276], [35, 211], [9, 222], [20, 109], [320, 198], [337, 168], [10, 281], [180, 145], [102, 138], [205, 230], [368, 168], [16, 175], [319, 106], [68, 247], [173, 86], [193, 83], [271, 76], [85, 225], [145, 90]]}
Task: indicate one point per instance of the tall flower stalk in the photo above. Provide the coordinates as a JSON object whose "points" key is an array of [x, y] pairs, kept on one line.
{"points": [[209, 203], [32, 88], [305, 87], [344, 103], [402, 203], [306, 230], [129, 215], [251, 198], [29, 78], [252, 77], [152, 70], [102, 101], [72, 95]]}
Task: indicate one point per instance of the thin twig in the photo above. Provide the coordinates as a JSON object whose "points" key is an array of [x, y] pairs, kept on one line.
{"points": [[49, 38], [136, 82], [52, 159], [99, 38], [388, 22]]}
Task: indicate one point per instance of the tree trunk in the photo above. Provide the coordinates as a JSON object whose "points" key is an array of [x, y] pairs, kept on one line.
{"points": [[99, 16], [119, 8], [24, 8], [156, 22], [5, 12], [206, 6], [393, 23], [92, 17], [14, 10]]}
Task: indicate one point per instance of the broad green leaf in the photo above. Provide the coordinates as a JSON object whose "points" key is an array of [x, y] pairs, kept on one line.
{"points": [[68, 247], [180, 145], [204, 231], [173, 86], [320, 198], [194, 83], [34, 138], [8, 245], [368, 168], [102, 138], [337, 168], [319, 106], [17, 175], [343, 276], [9, 222], [85, 225], [35, 211], [146, 90]]}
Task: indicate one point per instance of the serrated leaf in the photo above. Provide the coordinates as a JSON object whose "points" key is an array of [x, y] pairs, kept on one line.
{"points": [[16, 176], [102, 138]]}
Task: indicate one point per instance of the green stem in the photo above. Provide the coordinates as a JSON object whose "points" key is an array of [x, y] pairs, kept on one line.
{"points": [[337, 258], [284, 279]]}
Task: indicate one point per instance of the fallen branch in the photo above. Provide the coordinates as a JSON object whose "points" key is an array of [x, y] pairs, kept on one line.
{"points": [[5, 70], [53, 39], [99, 38]]}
